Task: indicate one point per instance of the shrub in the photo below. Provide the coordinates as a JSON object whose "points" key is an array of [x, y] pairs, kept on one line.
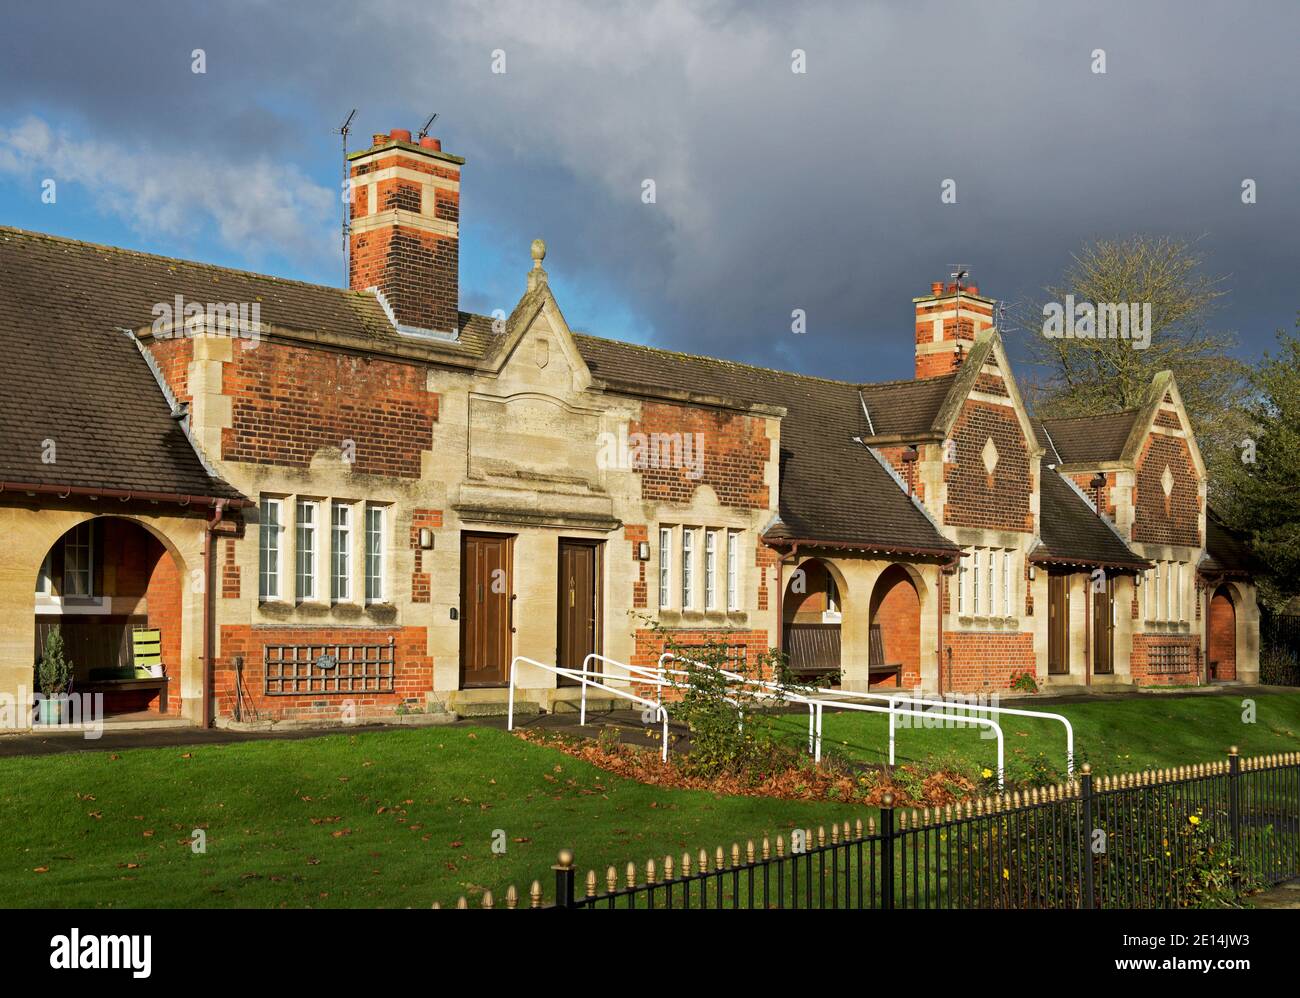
{"points": [[54, 671]]}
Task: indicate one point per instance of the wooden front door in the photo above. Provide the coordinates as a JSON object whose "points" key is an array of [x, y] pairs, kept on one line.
{"points": [[1058, 625], [578, 605], [1103, 627], [486, 609]]}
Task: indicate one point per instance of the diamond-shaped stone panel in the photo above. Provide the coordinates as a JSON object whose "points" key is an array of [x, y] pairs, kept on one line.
{"points": [[990, 455], [1167, 480]]}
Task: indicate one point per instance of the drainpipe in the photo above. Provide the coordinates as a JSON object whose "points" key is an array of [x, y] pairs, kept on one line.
{"points": [[208, 621], [1087, 631], [938, 649]]}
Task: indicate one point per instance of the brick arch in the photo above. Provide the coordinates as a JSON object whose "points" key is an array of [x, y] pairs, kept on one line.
{"points": [[1222, 644], [896, 608], [141, 569]]}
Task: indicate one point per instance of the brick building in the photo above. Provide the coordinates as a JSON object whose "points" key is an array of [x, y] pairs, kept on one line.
{"points": [[348, 503]]}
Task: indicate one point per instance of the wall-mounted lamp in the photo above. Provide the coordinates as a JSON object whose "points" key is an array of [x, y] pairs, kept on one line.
{"points": [[1033, 572], [1137, 581], [426, 539], [643, 551]]}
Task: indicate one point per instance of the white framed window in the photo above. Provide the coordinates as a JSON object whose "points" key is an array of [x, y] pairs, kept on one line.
{"points": [[1006, 583], [305, 550], [665, 567], [990, 594], [963, 574], [733, 570], [340, 552], [710, 569], [688, 568], [1150, 583], [975, 581], [376, 554], [1178, 590], [1168, 591], [270, 529], [79, 561]]}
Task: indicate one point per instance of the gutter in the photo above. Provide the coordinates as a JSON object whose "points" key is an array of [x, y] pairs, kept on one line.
{"points": [[125, 495], [952, 553]]}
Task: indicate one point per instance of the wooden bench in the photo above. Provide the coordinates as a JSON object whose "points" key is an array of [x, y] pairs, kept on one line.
{"points": [[876, 664], [133, 681]]}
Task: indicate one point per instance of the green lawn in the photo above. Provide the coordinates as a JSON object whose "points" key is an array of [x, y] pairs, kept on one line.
{"points": [[1113, 736], [406, 817], [298, 823]]}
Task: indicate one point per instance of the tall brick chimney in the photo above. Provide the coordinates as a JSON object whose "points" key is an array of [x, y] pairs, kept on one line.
{"points": [[947, 322], [405, 232]]}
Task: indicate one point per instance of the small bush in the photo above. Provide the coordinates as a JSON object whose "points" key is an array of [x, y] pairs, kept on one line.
{"points": [[54, 671]]}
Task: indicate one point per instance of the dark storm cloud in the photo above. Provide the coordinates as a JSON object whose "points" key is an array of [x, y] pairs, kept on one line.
{"points": [[775, 190]]}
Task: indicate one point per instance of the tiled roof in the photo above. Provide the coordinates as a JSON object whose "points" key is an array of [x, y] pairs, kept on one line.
{"points": [[70, 376], [906, 408], [832, 488], [1091, 439], [1073, 533], [1224, 550]]}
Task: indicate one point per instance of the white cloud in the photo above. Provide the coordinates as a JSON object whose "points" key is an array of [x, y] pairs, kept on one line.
{"points": [[258, 208]]}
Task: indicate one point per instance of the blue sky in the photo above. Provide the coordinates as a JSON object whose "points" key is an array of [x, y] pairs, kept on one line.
{"points": [[775, 190]]}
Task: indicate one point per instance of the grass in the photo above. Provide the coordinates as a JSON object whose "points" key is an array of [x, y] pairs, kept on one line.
{"points": [[1113, 736], [399, 818], [407, 817]]}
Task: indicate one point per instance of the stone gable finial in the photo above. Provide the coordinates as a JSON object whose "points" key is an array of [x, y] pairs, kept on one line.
{"points": [[537, 275]]}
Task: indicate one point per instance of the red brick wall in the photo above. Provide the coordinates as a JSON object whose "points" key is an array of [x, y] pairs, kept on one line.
{"points": [[288, 402], [635, 533], [1223, 636], [421, 585], [766, 560], [987, 661], [1161, 519], [896, 607], [904, 469], [806, 606], [1139, 665], [173, 358], [413, 672], [1083, 479], [650, 644], [976, 499], [229, 571], [163, 597], [736, 450]]}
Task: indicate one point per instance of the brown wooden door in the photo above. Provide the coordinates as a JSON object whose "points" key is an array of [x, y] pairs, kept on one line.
{"points": [[1058, 625], [1103, 627], [578, 605], [486, 609]]}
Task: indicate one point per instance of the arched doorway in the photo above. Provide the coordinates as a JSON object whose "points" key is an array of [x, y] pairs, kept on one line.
{"points": [[812, 608], [1222, 650], [112, 591], [896, 628]]}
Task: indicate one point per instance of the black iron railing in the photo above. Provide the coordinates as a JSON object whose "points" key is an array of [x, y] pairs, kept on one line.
{"points": [[1159, 839]]}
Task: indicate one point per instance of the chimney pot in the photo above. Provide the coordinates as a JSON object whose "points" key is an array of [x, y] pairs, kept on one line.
{"points": [[973, 289], [401, 135], [429, 142], [936, 289], [378, 139]]}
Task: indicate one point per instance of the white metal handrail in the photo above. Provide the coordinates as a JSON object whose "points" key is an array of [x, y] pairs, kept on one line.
{"points": [[816, 705], [950, 704], [661, 714]]}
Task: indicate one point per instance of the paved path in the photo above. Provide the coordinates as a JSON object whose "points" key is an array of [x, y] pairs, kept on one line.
{"points": [[1282, 896], [627, 723]]}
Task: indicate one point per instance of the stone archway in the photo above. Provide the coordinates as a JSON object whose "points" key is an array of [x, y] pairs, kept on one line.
{"points": [[812, 612], [1222, 638], [896, 611], [112, 588]]}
